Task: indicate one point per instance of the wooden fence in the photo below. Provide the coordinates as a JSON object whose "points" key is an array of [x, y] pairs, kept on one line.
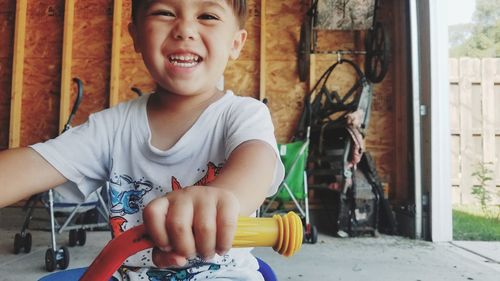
{"points": [[475, 125]]}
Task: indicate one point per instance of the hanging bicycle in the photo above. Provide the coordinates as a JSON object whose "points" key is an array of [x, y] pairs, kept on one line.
{"points": [[345, 15]]}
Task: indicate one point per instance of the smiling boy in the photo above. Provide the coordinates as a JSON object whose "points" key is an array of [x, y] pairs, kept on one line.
{"points": [[186, 160]]}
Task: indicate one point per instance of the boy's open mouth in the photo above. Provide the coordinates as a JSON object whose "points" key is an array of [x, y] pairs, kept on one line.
{"points": [[187, 60]]}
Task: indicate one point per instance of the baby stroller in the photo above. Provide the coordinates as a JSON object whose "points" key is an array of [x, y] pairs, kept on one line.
{"points": [[293, 188], [74, 217]]}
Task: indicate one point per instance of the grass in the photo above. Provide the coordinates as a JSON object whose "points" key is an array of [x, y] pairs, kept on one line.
{"points": [[469, 223]]}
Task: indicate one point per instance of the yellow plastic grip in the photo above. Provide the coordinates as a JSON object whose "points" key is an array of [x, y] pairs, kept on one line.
{"points": [[283, 233]]}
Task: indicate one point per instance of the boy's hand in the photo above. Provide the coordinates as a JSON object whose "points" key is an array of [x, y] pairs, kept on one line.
{"points": [[194, 221]]}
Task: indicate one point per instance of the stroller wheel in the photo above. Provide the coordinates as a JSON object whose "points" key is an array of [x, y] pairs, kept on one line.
{"points": [[50, 260], [311, 236], [63, 259], [82, 236], [72, 237], [27, 243], [18, 243], [314, 235], [304, 235]]}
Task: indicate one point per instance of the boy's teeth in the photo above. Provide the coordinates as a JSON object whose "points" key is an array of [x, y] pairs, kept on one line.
{"points": [[187, 58], [184, 60], [184, 64]]}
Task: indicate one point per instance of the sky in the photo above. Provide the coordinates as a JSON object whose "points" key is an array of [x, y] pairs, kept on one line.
{"points": [[460, 11]]}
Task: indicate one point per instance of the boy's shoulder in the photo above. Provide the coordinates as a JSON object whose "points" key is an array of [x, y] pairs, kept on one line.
{"points": [[237, 102], [132, 103], [116, 116], [126, 106]]}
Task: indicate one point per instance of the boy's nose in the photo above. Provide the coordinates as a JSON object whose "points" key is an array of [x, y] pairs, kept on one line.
{"points": [[184, 30]]}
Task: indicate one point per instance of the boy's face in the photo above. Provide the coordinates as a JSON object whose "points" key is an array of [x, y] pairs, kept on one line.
{"points": [[185, 44]]}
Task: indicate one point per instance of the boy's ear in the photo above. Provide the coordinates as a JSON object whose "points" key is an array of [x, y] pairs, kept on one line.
{"points": [[239, 40], [132, 30]]}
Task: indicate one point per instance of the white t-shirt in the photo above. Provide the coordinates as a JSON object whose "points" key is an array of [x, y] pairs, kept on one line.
{"points": [[114, 145]]}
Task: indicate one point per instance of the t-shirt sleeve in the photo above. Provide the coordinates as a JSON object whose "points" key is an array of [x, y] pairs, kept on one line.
{"points": [[81, 154], [250, 119]]}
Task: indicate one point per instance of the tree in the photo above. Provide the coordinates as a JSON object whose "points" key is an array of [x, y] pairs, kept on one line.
{"points": [[481, 38]]}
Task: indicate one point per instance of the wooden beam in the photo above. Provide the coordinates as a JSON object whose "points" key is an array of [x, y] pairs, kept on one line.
{"points": [[67, 57], [312, 72], [115, 54], [17, 74], [398, 184], [263, 29]]}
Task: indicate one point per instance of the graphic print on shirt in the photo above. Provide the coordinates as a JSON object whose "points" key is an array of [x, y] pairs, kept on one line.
{"points": [[196, 266], [117, 225], [212, 172], [127, 199]]}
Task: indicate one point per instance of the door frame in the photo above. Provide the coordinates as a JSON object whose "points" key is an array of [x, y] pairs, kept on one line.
{"points": [[429, 36]]}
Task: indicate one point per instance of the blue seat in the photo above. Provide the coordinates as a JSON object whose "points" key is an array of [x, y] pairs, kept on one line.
{"points": [[70, 274], [75, 274], [266, 271]]}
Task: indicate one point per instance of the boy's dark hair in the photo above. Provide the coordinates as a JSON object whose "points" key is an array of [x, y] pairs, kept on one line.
{"points": [[239, 9]]}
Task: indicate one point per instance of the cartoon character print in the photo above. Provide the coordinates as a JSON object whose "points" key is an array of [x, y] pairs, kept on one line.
{"points": [[129, 201], [212, 172], [196, 266], [117, 225]]}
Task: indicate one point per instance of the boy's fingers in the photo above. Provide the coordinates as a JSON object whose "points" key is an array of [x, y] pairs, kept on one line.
{"points": [[227, 215], [179, 227], [205, 228], [167, 259], [154, 216]]}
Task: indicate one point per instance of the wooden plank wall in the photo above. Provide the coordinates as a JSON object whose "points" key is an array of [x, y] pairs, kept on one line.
{"points": [[475, 125], [91, 62]]}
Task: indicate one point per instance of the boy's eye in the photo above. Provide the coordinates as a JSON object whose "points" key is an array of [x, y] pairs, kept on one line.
{"points": [[162, 13], [208, 17]]}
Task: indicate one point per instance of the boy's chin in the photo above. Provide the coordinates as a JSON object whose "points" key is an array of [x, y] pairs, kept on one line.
{"points": [[188, 90]]}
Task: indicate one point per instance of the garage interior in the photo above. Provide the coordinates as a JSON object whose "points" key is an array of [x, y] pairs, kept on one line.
{"points": [[45, 45]]}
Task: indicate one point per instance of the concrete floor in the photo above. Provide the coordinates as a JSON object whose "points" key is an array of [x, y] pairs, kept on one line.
{"points": [[384, 258]]}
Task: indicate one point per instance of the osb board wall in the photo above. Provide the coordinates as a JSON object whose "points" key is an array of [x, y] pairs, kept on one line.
{"points": [[90, 62], [92, 54], [40, 99], [284, 90], [133, 73], [242, 75]]}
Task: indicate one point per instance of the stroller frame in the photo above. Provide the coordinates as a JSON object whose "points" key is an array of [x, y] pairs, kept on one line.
{"points": [[55, 257], [311, 234]]}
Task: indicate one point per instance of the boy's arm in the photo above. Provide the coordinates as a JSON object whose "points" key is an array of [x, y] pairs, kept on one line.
{"points": [[202, 219], [248, 173], [23, 172]]}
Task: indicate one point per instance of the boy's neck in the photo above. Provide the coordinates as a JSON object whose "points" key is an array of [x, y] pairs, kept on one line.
{"points": [[164, 100], [170, 116]]}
